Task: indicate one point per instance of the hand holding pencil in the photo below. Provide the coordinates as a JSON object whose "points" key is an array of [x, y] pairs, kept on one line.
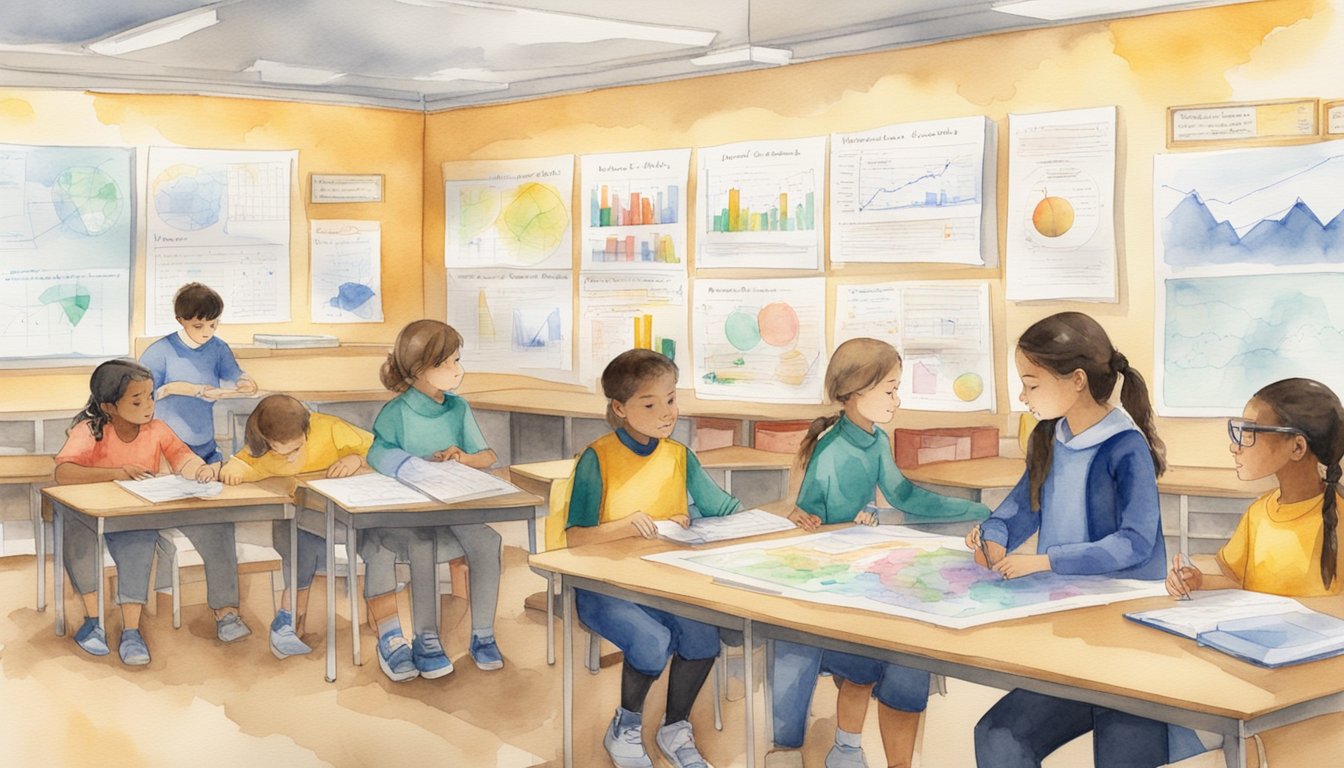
{"points": [[1183, 578]]}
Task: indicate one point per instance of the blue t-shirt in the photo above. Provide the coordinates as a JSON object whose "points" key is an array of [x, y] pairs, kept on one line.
{"points": [[169, 359]]}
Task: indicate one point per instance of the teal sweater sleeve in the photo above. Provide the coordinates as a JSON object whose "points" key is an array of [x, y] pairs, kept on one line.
{"points": [[585, 493], [709, 498], [913, 500]]}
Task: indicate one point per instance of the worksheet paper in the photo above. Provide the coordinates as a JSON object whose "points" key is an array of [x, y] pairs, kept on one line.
{"points": [[508, 213], [368, 489], [346, 264], [739, 525], [171, 488], [452, 481]]}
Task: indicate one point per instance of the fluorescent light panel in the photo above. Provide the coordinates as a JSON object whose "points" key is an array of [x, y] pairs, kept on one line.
{"points": [[1056, 10], [279, 72], [745, 54], [577, 28], [159, 32]]}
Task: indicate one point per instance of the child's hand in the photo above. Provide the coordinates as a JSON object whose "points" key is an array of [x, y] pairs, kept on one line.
{"points": [[136, 472], [644, 525], [247, 387], [865, 518], [683, 520], [1014, 566], [804, 520], [207, 473], [452, 453], [211, 394], [1183, 579], [232, 473], [345, 467], [973, 539]]}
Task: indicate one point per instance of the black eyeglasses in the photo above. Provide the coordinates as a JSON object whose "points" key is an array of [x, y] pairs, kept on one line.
{"points": [[1242, 432]]}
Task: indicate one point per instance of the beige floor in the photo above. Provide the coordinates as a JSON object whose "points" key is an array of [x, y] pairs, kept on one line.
{"points": [[201, 704]]}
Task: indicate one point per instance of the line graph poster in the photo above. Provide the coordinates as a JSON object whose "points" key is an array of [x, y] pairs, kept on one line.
{"points": [[218, 217], [761, 204], [633, 210], [1250, 262], [514, 319], [1061, 205], [942, 330], [508, 213], [915, 192], [612, 305], [760, 339], [346, 264], [65, 238]]}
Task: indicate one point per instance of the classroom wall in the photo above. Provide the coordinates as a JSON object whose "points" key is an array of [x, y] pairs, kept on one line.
{"points": [[1278, 49], [329, 139]]}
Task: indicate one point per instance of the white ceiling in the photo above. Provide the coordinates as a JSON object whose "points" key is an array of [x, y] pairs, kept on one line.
{"points": [[440, 54]]}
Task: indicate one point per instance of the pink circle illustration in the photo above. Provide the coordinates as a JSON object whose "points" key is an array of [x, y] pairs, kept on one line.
{"points": [[778, 323]]}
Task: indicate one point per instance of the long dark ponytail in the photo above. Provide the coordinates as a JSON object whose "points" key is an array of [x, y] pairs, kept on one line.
{"points": [[1071, 341], [107, 384]]}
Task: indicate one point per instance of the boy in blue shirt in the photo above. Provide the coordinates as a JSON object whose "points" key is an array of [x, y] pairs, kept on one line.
{"points": [[189, 367]]}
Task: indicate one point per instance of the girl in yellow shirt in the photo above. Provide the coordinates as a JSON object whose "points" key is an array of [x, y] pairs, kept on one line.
{"points": [[282, 440]]}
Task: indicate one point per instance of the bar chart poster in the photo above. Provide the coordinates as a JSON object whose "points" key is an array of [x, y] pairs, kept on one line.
{"points": [[632, 309], [760, 204], [915, 192], [508, 213], [634, 210]]}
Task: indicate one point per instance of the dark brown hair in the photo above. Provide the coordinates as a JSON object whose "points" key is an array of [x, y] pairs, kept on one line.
{"points": [[1313, 408], [855, 366], [627, 371], [108, 384], [276, 419], [195, 301], [421, 344], [1071, 341]]}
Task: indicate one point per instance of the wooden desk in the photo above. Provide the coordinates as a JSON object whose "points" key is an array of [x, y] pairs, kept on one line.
{"points": [[1090, 654], [113, 509], [32, 470], [520, 505]]}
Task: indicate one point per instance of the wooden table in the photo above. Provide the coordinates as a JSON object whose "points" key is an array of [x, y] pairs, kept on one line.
{"points": [[32, 470]]}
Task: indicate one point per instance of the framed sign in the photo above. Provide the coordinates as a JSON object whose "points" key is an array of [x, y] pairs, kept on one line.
{"points": [[1243, 123], [1333, 118], [346, 187]]}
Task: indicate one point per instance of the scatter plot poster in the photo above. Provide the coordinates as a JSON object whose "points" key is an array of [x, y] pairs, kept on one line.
{"points": [[633, 209], [761, 204], [1061, 205], [1249, 251], [508, 213], [346, 271], [65, 240], [514, 320], [760, 339], [942, 329], [218, 217]]}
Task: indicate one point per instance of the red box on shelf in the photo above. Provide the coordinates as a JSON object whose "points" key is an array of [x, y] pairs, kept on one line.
{"points": [[917, 447]]}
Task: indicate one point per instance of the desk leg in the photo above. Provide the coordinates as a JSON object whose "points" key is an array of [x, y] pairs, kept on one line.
{"points": [[1234, 749], [58, 567], [39, 544], [567, 705], [294, 567], [1183, 526], [550, 619], [331, 593], [98, 558], [728, 481], [749, 683], [351, 587]]}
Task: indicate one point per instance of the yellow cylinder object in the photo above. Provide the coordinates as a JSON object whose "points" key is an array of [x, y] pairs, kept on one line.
{"points": [[1025, 424]]}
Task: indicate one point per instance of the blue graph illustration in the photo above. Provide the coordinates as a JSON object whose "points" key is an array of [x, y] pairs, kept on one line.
{"points": [[532, 335], [890, 183]]}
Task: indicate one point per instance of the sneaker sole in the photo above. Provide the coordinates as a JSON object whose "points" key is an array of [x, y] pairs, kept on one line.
{"points": [[135, 662], [279, 654], [393, 676], [93, 651], [488, 666], [435, 674]]}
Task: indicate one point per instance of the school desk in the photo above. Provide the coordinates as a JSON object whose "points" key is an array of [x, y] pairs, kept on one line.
{"points": [[111, 508], [1088, 654], [32, 471], [518, 505]]}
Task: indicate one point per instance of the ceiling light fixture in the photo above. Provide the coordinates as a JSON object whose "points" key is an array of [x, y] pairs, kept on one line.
{"points": [[167, 30], [745, 54], [562, 27], [1057, 10], [289, 74]]}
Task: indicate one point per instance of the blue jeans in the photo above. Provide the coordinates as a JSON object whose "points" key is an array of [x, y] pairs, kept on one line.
{"points": [[793, 678], [647, 636], [1024, 727]]}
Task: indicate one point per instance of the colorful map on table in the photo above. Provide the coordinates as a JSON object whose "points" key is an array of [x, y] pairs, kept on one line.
{"points": [[899, 571]]}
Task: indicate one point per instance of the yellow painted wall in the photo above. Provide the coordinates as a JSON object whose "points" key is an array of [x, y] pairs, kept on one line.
{"points": [[1284, 48]]}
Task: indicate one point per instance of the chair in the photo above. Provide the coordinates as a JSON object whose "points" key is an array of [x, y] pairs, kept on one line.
{"points": [[175, 550]]}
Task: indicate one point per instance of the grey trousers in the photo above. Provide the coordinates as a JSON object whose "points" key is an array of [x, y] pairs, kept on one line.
{"points": [[312, 551], [132, 551], [215, 544], [382, 548]]}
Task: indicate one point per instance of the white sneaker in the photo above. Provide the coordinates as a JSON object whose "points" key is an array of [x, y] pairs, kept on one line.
{"points": [[677, 744], [625, 741], [845, 757]]}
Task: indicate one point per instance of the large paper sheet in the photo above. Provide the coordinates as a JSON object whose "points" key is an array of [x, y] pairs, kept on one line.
{"points": [[761, 204], [451, 481], [615, 306], [760, 339], [633, 210], [369, 489], [514, 321], [508, 213], [897, 571], [1061, 205], [347, 265], [1249, 248], [218, 217], [915, 192], [942, 330], [171, 488]]}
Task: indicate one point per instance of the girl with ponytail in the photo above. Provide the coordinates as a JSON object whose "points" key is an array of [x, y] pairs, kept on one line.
{"points": [[847, 459]]}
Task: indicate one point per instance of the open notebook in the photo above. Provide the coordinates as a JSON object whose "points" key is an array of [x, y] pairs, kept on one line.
{"points": [[703, 530], [445, 481], [1268, 630]]}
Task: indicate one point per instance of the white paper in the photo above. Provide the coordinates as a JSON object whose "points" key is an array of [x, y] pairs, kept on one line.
{"points": [[451, 481], [369, 489], [171, 488], [739, 525], [1204, 611], [346, 267], [514, 321], [508, 213], [760, 340], [609, 305], [633, 209], [915, 192], [941, 329], [218, 217], [761, 204], [1061, 205]]}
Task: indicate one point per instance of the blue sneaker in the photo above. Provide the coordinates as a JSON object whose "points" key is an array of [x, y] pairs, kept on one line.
{"points": [[132, 649], [427, 652], [92, 638], [394, 656], [485, 653], [231, 628], [677, 744], [284, 642]]}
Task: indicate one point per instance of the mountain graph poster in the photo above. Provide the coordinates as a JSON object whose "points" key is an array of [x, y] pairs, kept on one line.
{"points": [[1249, 248]]}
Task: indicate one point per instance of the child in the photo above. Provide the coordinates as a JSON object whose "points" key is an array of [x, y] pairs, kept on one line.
{"points": [[1287, 543], [284, 440], [189, 367], [116, 437], [844, 466], [1090, 491], [622, 483], [427, 422]]}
